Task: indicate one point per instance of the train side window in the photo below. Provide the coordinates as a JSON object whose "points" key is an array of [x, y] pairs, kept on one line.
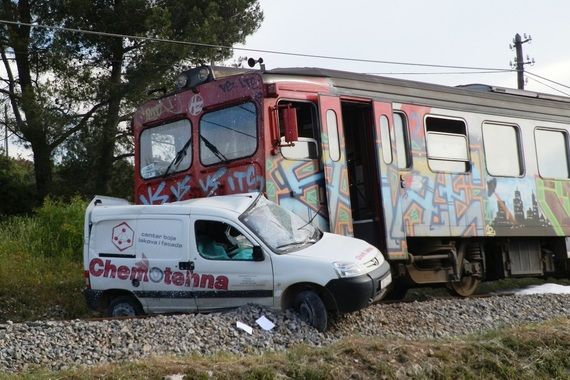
{"points": [[447, 147], [332, 133], [306, 148], [402, 141], [502, 150], [386, 141], [552, 153]]}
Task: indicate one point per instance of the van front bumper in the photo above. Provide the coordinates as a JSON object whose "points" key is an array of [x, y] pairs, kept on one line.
{"points": [[355, 293]]}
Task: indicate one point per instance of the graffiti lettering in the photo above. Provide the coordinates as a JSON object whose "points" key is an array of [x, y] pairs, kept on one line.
{"points": [[227, 87], [154, 196], [154, 112], [245, 180], [181, 188], [248, 82]]}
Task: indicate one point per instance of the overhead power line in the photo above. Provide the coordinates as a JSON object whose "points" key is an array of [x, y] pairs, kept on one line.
{"points": [[549, 80], [214, 46], [547, 85]]}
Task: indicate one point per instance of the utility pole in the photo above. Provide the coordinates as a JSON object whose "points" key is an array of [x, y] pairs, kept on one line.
{"points": [[518, 41]]}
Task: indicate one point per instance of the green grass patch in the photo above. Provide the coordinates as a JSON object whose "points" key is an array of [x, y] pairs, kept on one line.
{"points": [[41, 263]]}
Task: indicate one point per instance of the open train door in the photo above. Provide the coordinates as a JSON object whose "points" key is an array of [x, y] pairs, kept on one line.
{"points": [[392, 192], [334, 163]]}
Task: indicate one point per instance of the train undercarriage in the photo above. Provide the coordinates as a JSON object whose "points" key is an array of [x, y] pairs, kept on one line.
{"points": [[462, 264]]}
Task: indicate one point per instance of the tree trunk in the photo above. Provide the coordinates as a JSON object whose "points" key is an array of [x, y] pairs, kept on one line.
{"points": [[107, 142]]}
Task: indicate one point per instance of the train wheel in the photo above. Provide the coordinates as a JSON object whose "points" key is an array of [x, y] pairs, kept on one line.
{"points": [[466, 287]]}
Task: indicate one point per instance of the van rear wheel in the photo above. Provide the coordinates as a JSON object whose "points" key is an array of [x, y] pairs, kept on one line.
{"points": [[311, 309], [124, 306]]}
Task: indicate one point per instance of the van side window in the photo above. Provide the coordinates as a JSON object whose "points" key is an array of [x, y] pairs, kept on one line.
{"points": [[447, 147], [220, 241], [306, 148]]}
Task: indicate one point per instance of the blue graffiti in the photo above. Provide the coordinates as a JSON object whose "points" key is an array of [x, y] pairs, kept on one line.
{"points": [[154, 197], [181, 189]]}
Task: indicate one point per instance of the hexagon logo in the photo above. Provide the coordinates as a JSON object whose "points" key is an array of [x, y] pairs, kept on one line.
{"points": [[123, 236]]}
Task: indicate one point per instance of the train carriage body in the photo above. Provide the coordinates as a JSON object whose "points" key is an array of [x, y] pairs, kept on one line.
{"points": [[454, 184]]}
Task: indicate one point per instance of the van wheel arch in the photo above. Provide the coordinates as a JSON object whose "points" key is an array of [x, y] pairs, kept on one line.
{"points": [[112, 294], [290, 294]]}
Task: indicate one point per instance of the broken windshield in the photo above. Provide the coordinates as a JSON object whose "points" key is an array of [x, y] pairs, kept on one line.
{"points": [[279, 228]]}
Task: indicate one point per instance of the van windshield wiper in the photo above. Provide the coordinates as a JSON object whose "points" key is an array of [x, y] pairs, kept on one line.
{"points": [[214, 149], [178, 158]]}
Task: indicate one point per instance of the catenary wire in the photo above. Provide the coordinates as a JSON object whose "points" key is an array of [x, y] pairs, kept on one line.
{"points": [[214, 46]]}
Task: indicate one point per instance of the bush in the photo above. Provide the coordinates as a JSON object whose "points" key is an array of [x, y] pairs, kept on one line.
{"points": [[17, 193], [41, 262]]}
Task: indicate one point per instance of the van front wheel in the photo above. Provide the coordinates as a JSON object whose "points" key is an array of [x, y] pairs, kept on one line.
{"points": [[124, 306], [311, 309]]}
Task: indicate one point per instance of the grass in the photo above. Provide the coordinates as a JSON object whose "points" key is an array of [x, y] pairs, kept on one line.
{"points": [[534, 351], [41, 263]]}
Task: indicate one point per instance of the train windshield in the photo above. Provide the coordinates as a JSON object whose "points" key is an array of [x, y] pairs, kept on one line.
{"points": [[279, 228], [166, 149]]}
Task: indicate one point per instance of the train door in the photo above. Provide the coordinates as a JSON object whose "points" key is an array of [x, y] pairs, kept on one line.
{"points": [[334, 162], [363, 172], [393, 157]]}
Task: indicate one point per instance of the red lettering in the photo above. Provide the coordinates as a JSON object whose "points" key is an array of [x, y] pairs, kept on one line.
{"points": [[221, 283], [139, 273], [110, 269], [207, 281], [195, 280], [178, 278], [167, 274], [92, 270], [123, 272]]}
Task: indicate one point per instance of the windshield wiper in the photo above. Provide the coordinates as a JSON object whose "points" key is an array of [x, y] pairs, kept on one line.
{"points": [[290, 244], [178, 158], [214, 149]]}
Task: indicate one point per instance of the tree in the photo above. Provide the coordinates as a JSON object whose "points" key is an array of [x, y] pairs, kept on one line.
{"points": [[17, 195], [71, 82]]}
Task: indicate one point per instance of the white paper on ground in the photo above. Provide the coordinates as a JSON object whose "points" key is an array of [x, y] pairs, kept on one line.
{"points": [[244, 327], [265, 323]]}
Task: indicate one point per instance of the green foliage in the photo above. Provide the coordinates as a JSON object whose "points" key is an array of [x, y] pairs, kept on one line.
{"points": [[17, 188], [41, 263]]}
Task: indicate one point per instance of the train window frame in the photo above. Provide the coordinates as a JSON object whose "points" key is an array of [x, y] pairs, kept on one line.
{"points": [[147, 172], [449, 163], [306, 148], [385, 139], [403, 142], [226, 107], [519, 149], [564, 134], [334, 138]]}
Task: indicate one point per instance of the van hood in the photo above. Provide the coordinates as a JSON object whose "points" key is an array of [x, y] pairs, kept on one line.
{"points": [[332, 247]]}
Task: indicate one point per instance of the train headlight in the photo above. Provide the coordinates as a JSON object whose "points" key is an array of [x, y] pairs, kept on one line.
{"points": [[194, 77]]}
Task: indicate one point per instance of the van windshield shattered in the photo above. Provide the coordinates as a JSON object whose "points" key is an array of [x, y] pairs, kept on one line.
{"points": [[279, 228]]}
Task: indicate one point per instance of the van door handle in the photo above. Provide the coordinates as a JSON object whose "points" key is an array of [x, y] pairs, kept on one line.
{"points": [[186, 265]]}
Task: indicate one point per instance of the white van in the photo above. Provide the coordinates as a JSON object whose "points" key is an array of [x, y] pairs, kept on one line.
{"points": [[223, 252]]}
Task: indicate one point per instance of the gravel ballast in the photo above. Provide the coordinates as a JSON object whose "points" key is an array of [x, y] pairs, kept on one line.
{"points": [[65, 344]]}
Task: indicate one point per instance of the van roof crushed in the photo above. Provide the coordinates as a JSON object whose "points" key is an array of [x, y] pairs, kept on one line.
{"points": [[237, 203]]}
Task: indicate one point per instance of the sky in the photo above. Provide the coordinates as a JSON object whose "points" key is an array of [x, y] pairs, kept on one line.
{"points": [[439, 32]]}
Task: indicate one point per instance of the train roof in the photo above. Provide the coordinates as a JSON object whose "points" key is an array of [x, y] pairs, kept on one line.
{"points": [[473, 97]]}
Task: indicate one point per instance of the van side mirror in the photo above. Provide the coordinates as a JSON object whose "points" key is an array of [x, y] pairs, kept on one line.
{"points": [[289, 118], [257, 253]]}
